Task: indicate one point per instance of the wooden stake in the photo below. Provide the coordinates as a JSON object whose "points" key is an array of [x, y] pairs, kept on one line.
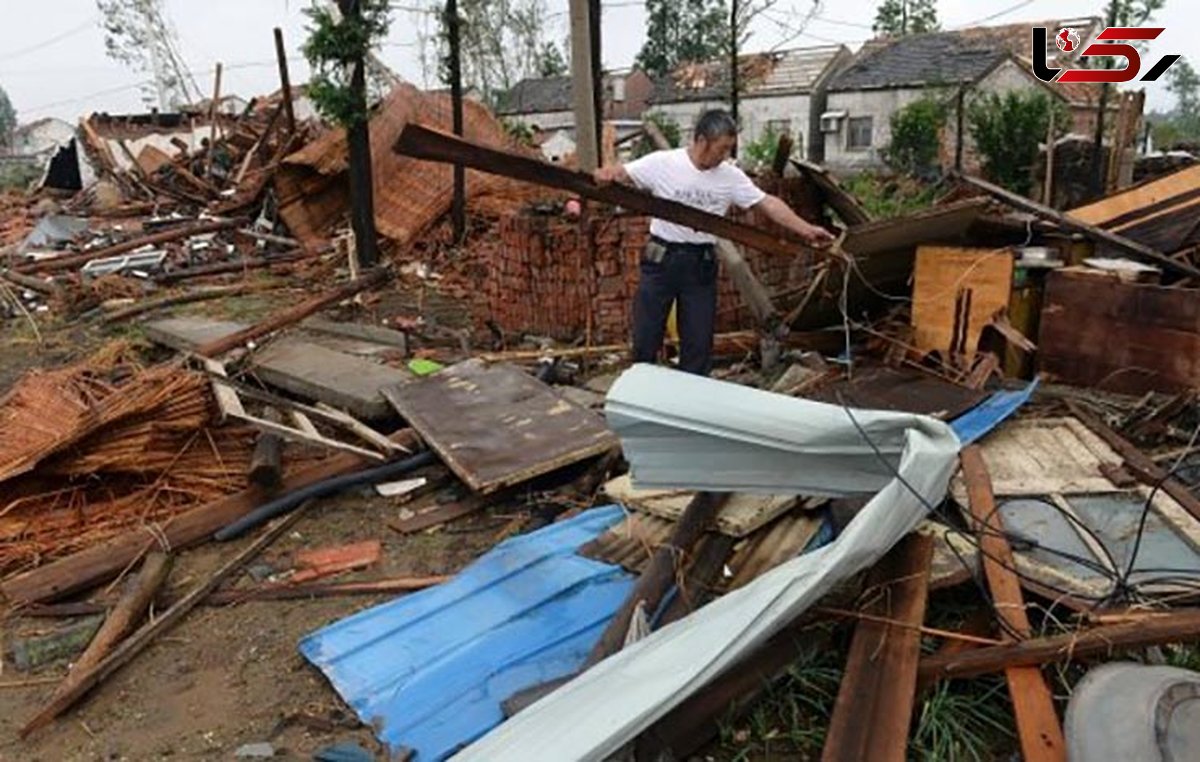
{"points": [[212, 123], [126, 652], [266, 462], [285, 82], [120, 622]]}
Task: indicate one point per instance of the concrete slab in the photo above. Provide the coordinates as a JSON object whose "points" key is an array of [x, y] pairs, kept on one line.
{"points": [[303, 368]]}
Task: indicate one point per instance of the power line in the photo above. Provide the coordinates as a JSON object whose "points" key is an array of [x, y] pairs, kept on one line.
{"points": [[996, 15], [50, 41]]}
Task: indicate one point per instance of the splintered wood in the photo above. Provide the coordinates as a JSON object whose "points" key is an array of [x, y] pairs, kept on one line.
{"points": [[147, 432]]}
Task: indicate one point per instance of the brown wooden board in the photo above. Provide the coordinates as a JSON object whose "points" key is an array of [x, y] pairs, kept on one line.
{"points": [[873, 711], [495, 425], [1097, 331], [906, 391], [941, 274]]}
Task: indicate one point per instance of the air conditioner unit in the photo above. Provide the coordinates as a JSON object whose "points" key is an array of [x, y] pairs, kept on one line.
{"points": [[831, 121]]}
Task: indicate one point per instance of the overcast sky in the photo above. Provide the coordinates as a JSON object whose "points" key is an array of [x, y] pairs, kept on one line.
{"points": [[52, 59]]}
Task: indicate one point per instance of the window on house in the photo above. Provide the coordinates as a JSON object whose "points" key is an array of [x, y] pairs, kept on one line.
{"points": [[858, 134], [618, 89]]}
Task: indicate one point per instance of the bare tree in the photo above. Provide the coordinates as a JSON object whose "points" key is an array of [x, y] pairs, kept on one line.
{"points": [[139, 35]]}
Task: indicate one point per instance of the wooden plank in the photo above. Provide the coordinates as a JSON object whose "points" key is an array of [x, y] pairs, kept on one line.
{"points": [[424, 143], [496, 426], [296, 314], [698, 587], [873, 710], [1068, 222], [846, 205], [129, 649], [743, 514], [440, 515], [660, 573], [1098, 331], [1138, 463], [1138, 199], [120, 622], [102, 562], [1038, 727], [1105, 641], [266, 462], [360, 429], [941, 274]]}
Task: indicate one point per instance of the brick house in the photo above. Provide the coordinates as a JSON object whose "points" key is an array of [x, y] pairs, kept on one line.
{"points": [[782, 91], [888, 74]]}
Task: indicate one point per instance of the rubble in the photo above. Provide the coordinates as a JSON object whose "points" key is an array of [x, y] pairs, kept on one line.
{"points": [[984, 403]]}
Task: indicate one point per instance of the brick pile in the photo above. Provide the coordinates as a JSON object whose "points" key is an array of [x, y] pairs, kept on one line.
{"points": [[542, 280]]}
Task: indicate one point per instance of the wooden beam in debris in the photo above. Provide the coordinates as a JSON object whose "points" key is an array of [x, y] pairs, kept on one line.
{"points": [[102, 562], [841, 201], [129, 649], [1183, 627], [294, 315], [1068, 222], [660, 572], [1038, 727], [266, 462], [873, 711], [120, 622], [71, 261], [1138, 463], [237, 266], [285, 81], [433, 145]]}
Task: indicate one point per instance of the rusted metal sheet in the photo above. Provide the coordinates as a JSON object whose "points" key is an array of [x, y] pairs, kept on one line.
{"points": [[495, 425], [900, 390], [1097, 331]]}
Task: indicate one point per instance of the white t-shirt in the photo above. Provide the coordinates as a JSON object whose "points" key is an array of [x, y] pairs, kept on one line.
{"points": [[672, 175]]}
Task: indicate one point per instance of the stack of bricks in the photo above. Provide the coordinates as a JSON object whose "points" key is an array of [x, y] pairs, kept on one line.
{"points": [[543, 280]]}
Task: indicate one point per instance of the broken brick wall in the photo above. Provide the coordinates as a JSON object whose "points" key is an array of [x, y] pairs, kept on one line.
{"points": [[543, 280]]}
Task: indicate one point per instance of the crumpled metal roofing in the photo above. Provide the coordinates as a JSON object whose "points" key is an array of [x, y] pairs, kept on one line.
{"points": [[430, 670], [812, 447]]}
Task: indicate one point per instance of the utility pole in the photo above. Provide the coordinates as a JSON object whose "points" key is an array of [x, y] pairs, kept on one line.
{"points": [[362, 202], [458, 208], [285, 81], [733, 67], [1098, 143], [587, 148]]}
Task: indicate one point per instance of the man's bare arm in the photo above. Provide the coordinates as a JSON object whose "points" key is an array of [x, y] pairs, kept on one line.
{"points": [[614, 173], [781, 214]]}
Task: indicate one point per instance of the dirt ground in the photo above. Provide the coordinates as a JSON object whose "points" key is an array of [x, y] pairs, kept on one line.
{"points": [[229, 676]]}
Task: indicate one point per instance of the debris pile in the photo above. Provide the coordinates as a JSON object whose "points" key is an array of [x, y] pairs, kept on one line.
{"points": [[957, 446]]}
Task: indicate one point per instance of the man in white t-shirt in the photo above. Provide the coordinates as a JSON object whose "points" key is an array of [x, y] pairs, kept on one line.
{"points": [[679, 264]]}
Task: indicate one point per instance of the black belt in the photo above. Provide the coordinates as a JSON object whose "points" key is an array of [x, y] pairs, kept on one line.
{"points": [[699, 248]]}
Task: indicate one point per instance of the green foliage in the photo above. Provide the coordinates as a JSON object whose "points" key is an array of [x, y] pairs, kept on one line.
{"points": [[8, 118], [897, 18], [1183, 124], [333, 48], [1008, 129], [963, 721], [682, 32], [518, 131], [551, 62], [886, 195], [667, 126], [18, 175], [761, 152], [1134, 12], [916, 137]]}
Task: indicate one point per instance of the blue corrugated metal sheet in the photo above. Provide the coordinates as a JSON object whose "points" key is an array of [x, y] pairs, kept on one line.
{"points": [[979, 422], [429, 670]]}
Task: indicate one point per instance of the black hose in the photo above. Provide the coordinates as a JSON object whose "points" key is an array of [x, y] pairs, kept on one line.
{"points": [[290, 501]]}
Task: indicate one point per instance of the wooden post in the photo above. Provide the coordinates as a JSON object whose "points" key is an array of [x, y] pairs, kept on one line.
{"points": [[1038, 728], [123, 619], [458, 207], [733, 68], [1048, 189], [362, 202], [960, 125], [1098, 144], [597, 71], [285, 81], [266, 462], [212, 123], [587, 151]]}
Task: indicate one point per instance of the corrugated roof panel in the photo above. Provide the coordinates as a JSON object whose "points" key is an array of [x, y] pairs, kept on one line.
{"points": [[429, 670]]}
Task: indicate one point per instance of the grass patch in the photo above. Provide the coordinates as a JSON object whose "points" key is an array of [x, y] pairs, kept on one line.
{"points": [[963, 720], [886, 195]]}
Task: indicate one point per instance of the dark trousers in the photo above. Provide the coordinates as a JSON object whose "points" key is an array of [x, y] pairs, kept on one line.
{"points": [[686, 275]]}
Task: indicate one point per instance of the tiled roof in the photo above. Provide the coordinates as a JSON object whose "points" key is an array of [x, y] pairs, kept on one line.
{"points": [[947, 57], [788, 71], [536, 96]]}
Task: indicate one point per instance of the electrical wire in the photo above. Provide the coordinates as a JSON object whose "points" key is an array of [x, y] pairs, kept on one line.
{"points": [[51, 40]]}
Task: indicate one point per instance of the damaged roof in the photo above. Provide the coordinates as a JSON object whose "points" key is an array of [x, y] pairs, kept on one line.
{"points": [[761, 74], [952, 57]]}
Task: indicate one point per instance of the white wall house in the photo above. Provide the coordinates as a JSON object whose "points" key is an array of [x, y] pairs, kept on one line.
{"points": [[41, 137], [889, 74], [780, 92]]}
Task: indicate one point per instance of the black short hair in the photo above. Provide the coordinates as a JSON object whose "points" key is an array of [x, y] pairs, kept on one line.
{"points": [[715, 123]]}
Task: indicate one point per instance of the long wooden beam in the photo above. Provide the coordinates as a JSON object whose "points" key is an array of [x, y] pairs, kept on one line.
{"points": [[1170, 628], [1038, 728], [433, 145], [1071, 223]]}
